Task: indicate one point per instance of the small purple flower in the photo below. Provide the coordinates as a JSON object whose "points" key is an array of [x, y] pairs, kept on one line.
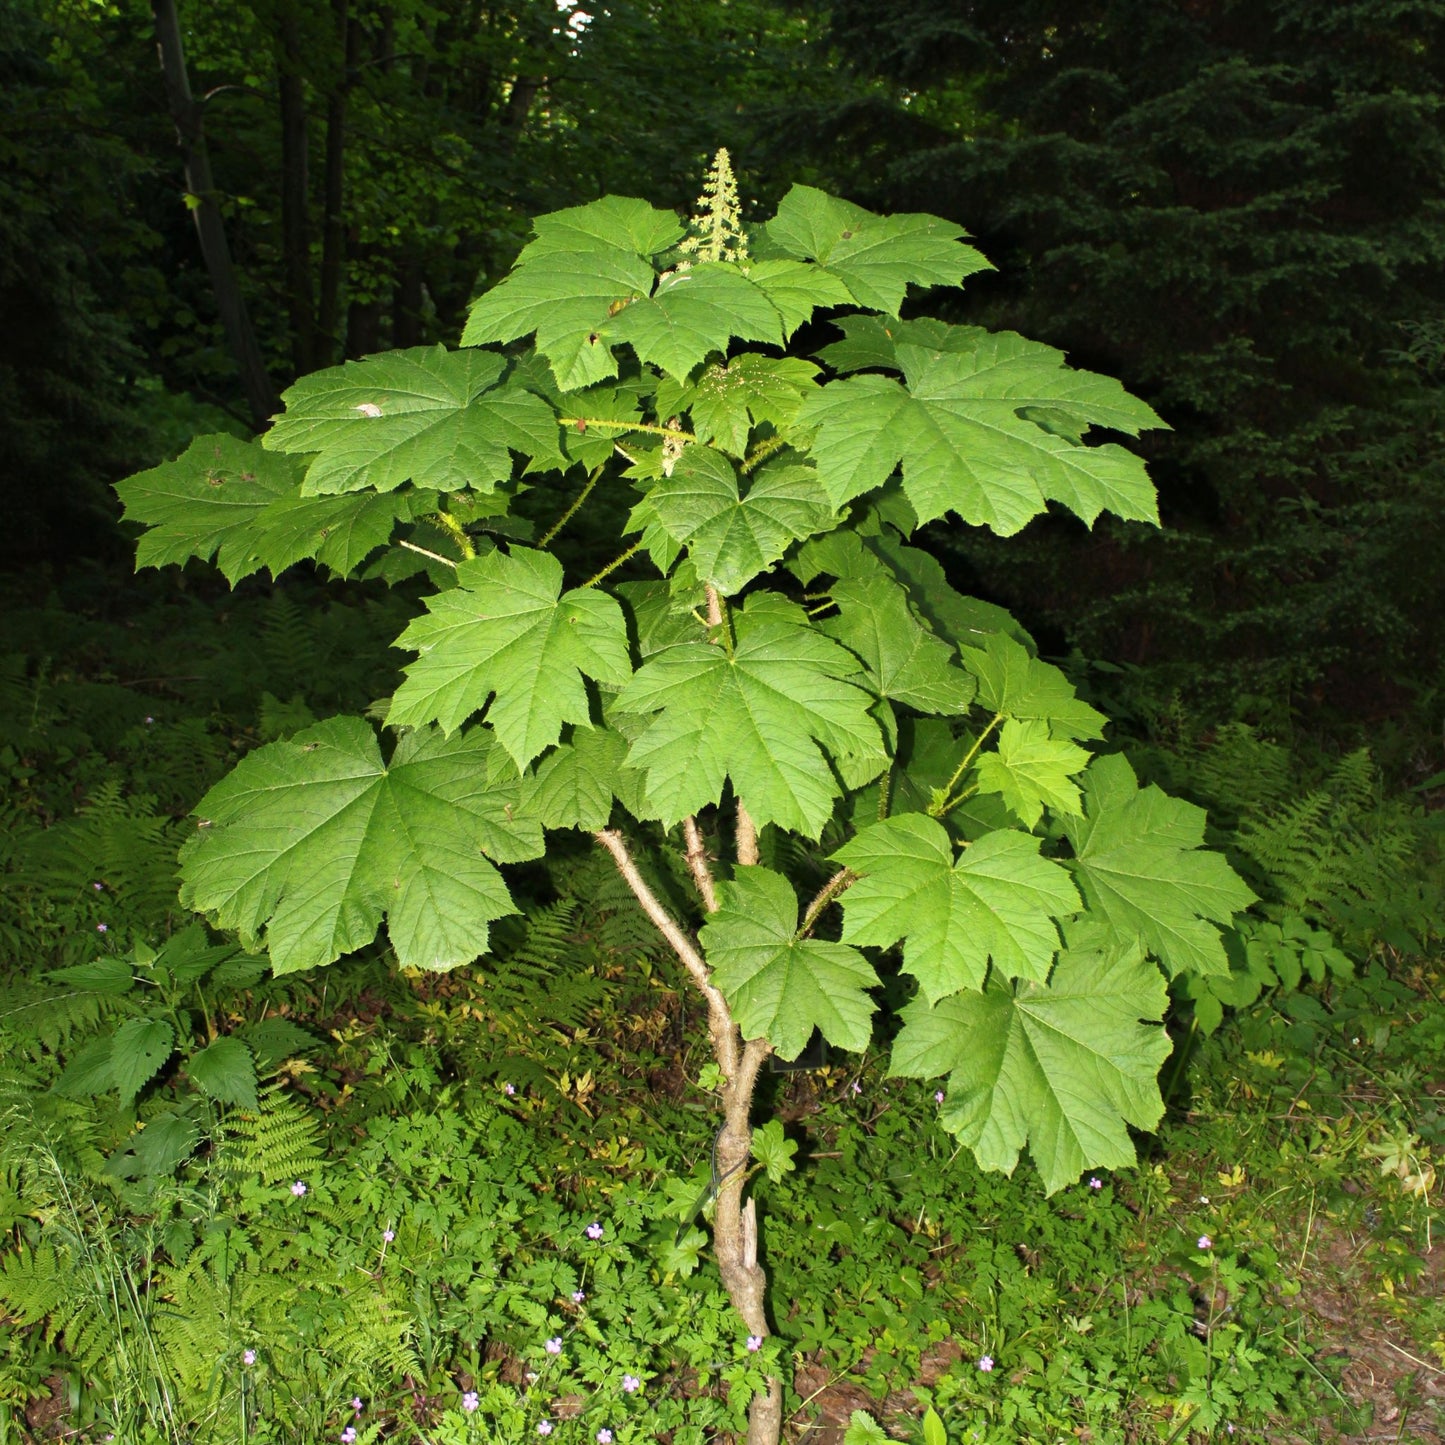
{"points": [[578, 1296], [509, 1089], [1205, 1242], [388, 1235], [1096, 1184], [356, 1403], [102, 928], [630, 1383], [604, 1436], [99, 887], [594, 1230], [938, 1096], [985, 1363], [857, 1086], [544, 1427], [348, 1435], [470, 1401], [755, 1343], [149, 720], [248, 1357], [554, 1345], [298, 1189]]}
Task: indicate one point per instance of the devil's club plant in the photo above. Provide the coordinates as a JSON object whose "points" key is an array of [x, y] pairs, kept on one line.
{"points": [[851, 756]]}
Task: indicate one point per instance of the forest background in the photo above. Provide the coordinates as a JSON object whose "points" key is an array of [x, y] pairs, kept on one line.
{"points": [[1237, 209]]}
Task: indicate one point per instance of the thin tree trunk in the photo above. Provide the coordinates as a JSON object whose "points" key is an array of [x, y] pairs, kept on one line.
{"points": [[261, 395], [296, 193], [735, 1224], [333, 224]]}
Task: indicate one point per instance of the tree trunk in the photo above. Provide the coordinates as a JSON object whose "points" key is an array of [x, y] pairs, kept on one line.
{"points": [[295, 193], [261, 395], [735, 1225], [333, 224]]}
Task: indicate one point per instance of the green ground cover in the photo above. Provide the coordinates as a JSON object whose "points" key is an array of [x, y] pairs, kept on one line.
{"points": [[357, 1205]]}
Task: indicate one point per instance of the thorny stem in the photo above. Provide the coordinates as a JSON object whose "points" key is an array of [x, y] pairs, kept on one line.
{"points": [[762, 452], [583, 422], [885, 792], [435, 556], [454, 529], [842, 879], [717, 617], [697, 862], [746, 837], [682, 945], [573, 509], [735, 1227], [950, 801], [612, 566]]}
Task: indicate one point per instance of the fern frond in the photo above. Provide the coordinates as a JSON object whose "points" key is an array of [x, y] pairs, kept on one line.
{"points": [[281, 1140]]}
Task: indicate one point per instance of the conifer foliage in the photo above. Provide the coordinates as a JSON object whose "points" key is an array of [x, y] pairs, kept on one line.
{"points": [[766, 655]]}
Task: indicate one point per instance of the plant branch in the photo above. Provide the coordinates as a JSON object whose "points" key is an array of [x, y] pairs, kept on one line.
{"points": [[938, 810], [747, 837], [456, 532], [583, 422], [717, 617], [843, 879], [435, 556], [761, 453], [720, 1020], [697, 862], [572, 511], [612, 566]]}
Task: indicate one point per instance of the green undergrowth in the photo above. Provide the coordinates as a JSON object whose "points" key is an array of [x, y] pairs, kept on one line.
{"points": [[234, 1206]]}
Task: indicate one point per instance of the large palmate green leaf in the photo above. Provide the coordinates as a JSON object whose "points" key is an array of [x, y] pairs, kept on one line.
{"points": [[1016, 684], [431, 416], [1142, 868], [309, 842], [904, 661], [781, 987], [1063, 1067], [732, 397], [761, 716], [508, 629], [797, 289], [584, 263], [694, 313], [227, 499], [730, 537], [1031, 769], [997, 902], [985, 425], [576, 783], [876, 257]]}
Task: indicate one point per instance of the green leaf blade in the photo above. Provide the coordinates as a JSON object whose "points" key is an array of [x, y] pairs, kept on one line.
{"points": [[1138, 864], [995, 905], [138, 1050], [732, 537], [508, 632], [434, 417], [1030, 770], [1062, 1067], [226, 1071], [780, 987], [761, 717], [308, 843]]}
